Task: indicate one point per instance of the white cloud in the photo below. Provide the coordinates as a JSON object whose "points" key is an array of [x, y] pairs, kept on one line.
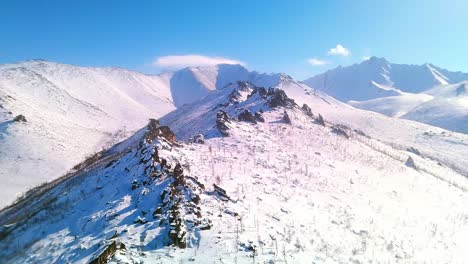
{"points": [[191, 60], [339, 50], [365, 58], [317, 62]]}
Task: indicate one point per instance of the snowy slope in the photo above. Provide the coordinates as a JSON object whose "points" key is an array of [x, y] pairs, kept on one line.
{"points": [[376, 77], [444, 106], [424, 93], [292, 193], [73, 112]]}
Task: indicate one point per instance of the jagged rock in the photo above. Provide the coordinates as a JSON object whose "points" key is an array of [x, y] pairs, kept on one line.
{"points": [[163, 163], [19, 118], [235, 96], [178, 170], [247, 116], [261, 91], [320, 120], [286, 118], [167, 134], [200, 139], [279, 98], [340, 130], [106, 255], [221, 193], [259, 117], [306, 109], [413, 150], [153, 130], [222, 119], [155, 154]]}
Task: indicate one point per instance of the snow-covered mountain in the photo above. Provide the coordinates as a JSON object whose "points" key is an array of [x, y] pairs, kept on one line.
{"points": [[259, 177], [423, 93], [72, 112], [376, 77], [443, 106]]}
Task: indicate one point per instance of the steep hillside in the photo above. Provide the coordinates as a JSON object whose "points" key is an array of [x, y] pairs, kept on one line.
{"points": [[72, 112], [259, 179]]}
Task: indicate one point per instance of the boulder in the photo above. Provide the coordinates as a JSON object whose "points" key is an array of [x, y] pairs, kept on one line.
{"points": [[286, 118], [19, 118], [259, 117]]}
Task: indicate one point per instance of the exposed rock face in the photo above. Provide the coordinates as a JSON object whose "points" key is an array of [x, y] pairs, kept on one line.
{"points": [[222, 119], [180, 200], [286, 119], [247, 116], [222, 194], [155, 130], [261, 91], [235, 96], [106, 255], [340, 130], [19, 118], [279, 98], [166, 133], [306, 109], [320, 120]]}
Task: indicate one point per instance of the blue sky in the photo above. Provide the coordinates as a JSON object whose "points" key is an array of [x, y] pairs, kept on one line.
{"points": [[272, 36]]}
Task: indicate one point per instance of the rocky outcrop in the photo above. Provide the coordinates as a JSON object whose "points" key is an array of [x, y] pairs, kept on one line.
{"points": [[279, 98], [307, 111], [340, 130], [286, 119], [319, 120], [259, 117], [236, 96], [166, 133], [410, 162], [106, 255], [222, 119], [154, 130], [247, 116], [179, 211], [19, 118]]}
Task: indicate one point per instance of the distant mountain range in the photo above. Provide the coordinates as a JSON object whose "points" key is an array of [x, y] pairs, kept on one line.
{"points": [[424, 93]]}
